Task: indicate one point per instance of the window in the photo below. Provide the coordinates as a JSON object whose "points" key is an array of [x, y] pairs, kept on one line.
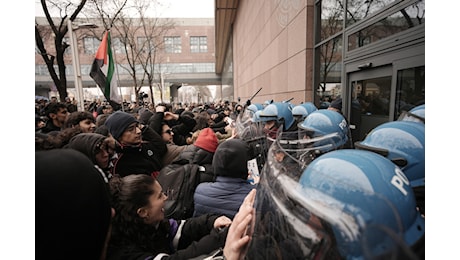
{"points": [[198, 44], [358, 10], [411, 16], [145, 45], [117, 45], [330, 58], [330, 19], [173, 44], [410, 90], [91, 44]]}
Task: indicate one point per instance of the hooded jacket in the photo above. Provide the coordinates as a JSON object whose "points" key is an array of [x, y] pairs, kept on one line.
{"points": [[225, 195], [87, 144], [231, 159]]}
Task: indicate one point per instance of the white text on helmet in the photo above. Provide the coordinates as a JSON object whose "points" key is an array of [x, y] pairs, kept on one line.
{"points": [[399, 179], [343, 124]]}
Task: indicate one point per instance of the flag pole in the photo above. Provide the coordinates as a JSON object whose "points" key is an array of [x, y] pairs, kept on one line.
{"points": [[116, 72]]}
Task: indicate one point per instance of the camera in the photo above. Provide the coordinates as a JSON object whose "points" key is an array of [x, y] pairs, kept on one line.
{"points": [[141, 97]]}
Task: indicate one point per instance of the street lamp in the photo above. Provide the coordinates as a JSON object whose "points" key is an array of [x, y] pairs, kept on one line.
{"points": [[76, 60]]}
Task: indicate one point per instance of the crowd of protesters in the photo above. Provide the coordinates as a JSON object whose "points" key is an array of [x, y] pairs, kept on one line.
{"points": [[129, 145]]}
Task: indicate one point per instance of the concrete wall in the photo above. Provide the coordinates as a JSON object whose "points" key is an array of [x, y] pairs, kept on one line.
{"points": [[273, 49]]}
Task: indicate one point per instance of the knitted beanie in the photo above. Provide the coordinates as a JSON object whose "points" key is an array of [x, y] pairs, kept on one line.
{"points": [[118, 122], [337, 104], [207, 140], [231, 159]]}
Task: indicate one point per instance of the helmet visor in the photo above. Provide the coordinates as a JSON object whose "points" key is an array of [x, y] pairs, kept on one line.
{"points": [[253, 134], [300, 147], [318, 219]]}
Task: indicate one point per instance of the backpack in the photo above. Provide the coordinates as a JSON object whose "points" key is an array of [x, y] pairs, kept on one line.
{"points": [[179, 182]]}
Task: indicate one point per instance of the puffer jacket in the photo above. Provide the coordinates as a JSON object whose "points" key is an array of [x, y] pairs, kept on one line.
{"points": [[224, 196]]}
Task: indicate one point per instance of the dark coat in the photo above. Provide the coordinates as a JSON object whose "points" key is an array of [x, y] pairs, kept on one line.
{"points": [[142, 159], [196, 155], [196, 237], [182, 127], [225, 195], [49, 127], [219, 127]]}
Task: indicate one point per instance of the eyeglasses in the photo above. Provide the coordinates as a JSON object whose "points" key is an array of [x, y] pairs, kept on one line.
{"points": [[169, 131]]}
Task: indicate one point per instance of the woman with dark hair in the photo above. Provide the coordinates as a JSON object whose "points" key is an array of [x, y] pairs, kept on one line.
{"points": [[140, 230]]}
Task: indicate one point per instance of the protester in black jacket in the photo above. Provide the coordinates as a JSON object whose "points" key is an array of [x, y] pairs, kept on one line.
{"points": [[181, 125], [57, 114], [139, 148], [140, 230], [85, 232]]}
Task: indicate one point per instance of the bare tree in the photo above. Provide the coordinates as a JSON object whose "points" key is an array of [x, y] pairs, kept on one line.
{"points": [[140, 39], [329, 50], [57, 29], [150, 58], [331, 27], [125, 30]]}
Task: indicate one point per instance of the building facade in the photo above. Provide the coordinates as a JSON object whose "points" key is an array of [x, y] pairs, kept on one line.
{"points": [[369, 53], [186, 58]]}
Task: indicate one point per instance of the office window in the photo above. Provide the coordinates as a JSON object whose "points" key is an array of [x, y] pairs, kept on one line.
{"points": [[173, 44], [198, 44], [410, 89], [91, 44], [117, 45], [358, 10], [411, 16], [145, 45]]}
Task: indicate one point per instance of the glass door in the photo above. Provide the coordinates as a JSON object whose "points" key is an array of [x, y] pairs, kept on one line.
{"points": [[370, 100]]}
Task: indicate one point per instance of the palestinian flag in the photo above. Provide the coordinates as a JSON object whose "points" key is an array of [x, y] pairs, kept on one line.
{"points": [[103, 70]]}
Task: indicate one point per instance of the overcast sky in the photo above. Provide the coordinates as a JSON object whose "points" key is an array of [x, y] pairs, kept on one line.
{"points": [[173, 9]]}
